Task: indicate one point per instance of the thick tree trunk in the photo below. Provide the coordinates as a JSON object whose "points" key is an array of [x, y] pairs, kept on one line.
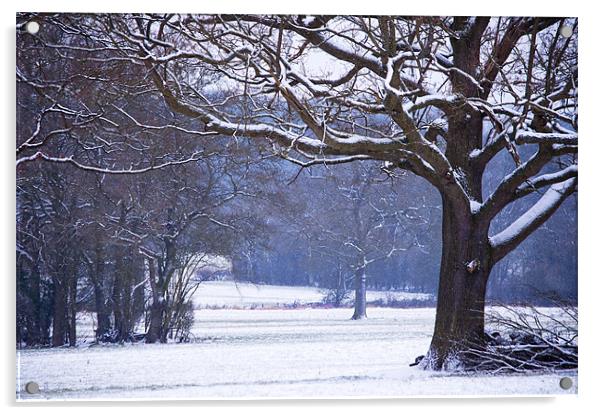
{"points": [[359, 312], [59, 314], [154, 334], [465, 268], [157, 309]]}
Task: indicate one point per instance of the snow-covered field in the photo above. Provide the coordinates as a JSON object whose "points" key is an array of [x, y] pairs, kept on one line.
{"points": [[248, 348], [245, 295], [270, 353]]}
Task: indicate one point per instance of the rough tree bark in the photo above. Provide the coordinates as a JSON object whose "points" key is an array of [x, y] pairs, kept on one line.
{"points": [[465, 258], [465, 268]]}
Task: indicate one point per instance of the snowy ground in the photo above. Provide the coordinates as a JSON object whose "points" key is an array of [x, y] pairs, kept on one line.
{"points": [[270, 353], [245, 295]]}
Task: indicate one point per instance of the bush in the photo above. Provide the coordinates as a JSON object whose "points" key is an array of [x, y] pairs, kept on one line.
{"points": [[337, 297], [184, 322]]}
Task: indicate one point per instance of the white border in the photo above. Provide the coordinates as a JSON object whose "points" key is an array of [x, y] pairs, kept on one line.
{"points": [[590, 232]]}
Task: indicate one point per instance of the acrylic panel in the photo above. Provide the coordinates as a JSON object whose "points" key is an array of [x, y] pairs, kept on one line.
{"points": [[300, 206]]}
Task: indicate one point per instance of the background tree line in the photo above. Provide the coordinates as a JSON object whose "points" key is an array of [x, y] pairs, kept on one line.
{"points": [[122, 246]]}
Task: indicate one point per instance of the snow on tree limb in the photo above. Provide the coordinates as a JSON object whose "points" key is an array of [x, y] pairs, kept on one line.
{"points": [[106, 170], [532, 137], [384, 71], [504, 241], [546, 179], [505, 191]]}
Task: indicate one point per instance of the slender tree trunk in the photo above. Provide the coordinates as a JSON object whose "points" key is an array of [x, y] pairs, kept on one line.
{"points": [[138, 292], [73, 307], [118, 297], [121, 297], [465, 268], [166, 321], [35, 332], [116, 302], [59, 314], [359, 312], [126, 297], [102, 314]]}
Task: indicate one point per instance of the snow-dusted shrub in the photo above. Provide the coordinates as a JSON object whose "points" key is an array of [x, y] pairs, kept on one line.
{"points": [[337, 297], [184, 322]]}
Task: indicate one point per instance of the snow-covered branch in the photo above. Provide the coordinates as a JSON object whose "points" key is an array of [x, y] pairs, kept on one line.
{"points": [[108, 170], [503, 242], [531, 137], [543, 180], [505, 191]]}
